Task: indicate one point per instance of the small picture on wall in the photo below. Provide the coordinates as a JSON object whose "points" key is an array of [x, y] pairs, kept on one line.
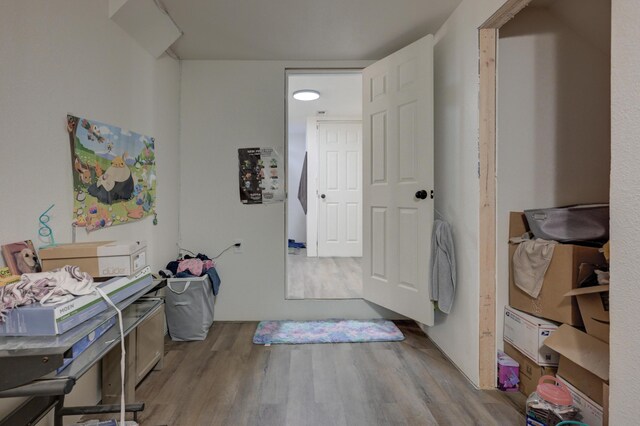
{"points": [[259, 176], [21, 258]]}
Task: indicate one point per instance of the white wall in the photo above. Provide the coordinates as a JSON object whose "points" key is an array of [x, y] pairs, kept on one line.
{"points": [[625, 204], [64, 57], [67, 56], [456, 174], [553, 122], [228, 105], [297, 226]]}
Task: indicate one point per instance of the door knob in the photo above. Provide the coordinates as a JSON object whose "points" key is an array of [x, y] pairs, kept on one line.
{"points": [[422, 194], [323, 196]]}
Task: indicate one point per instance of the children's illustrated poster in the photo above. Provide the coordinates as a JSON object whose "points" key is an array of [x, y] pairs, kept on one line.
{"points": [[114, 174], [261, 175]]}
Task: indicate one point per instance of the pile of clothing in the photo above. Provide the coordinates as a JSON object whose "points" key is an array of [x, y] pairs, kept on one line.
{"points": [[53, 287], [190, 266]]}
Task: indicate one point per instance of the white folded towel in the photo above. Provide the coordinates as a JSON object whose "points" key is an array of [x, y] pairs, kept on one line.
{"points": [[530, 263]]}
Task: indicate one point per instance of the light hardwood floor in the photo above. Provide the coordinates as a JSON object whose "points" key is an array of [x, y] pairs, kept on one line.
{"points": [[227, 380], [323, 277]]}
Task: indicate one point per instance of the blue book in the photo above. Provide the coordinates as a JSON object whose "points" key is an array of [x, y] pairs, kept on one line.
{"points": [[82, 344]]}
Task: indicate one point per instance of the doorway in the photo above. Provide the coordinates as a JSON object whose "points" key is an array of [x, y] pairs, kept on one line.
{"points": [[324, 185], [397, 179]]}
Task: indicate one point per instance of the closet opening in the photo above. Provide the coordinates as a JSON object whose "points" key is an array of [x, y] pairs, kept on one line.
{"points": [[544, 130]]}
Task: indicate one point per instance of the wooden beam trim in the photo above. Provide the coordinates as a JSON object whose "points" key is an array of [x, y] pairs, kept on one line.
{"points": [[487, 235], [505, 13]]}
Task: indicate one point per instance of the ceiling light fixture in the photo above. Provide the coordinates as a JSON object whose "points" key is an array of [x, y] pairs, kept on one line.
{"points": [[306, 95]]}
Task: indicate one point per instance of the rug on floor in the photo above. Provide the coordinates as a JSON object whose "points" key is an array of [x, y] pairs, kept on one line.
{"points": [[326, 331]]}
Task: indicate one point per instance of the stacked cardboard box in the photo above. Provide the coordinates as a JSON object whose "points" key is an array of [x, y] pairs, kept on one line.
{"points": [[561, 277], [523, 341], [582, 358]]}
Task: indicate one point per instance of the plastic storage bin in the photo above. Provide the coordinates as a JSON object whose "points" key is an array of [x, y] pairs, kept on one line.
{"points": [[189, 308], [550, 404]]}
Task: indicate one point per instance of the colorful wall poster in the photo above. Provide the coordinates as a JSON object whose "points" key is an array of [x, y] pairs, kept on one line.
{"points": [[114, 174], [261, 175]]}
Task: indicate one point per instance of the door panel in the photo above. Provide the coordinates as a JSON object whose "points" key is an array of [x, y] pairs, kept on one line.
{"points": [[398, 162], [409, 248], [340, 189], [379, 147], [353, 221], [378, 243], [407, 142]]}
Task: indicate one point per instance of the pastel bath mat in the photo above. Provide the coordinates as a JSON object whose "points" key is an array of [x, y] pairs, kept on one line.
{"points": [[326, 331]]}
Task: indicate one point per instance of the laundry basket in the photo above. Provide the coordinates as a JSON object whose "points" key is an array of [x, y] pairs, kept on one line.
{"points": [[189, 308]]}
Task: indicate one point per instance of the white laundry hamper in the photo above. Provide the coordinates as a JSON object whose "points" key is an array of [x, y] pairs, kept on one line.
{"points": [[189, 307]]}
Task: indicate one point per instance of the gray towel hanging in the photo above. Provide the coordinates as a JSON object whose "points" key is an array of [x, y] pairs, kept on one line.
{"points": [[443, 266]]}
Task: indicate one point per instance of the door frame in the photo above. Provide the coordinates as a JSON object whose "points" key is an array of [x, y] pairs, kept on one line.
{"points": [[313, 170], [287, 72], [488, 37]]}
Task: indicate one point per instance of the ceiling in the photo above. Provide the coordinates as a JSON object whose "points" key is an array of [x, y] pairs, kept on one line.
{"points": [[340, 97], [302, 29]]}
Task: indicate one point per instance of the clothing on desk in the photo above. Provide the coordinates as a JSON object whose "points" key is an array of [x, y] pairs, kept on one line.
{"points": [[443, 266], [57, 286]]}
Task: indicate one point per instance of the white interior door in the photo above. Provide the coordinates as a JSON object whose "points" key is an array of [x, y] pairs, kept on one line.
{"points": [[339, 189], [398, 163]]}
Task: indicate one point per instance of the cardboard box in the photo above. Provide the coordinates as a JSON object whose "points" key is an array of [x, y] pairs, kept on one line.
{"points": [[527, 334], [99, 258], [561, 277], [590, 412], [49, 320], [594, 305], [584, 360], [530, 372]]}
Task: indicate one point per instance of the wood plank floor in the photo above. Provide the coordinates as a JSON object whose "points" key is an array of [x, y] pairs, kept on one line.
{"points": [[227, 380], [323, 277]]}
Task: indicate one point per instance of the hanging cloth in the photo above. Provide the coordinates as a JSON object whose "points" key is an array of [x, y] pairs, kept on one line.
{"points": [[530, 262], [443, 266], [302, 188]]}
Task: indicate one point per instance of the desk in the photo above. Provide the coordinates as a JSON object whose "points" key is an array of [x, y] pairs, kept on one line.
{"points": [[49, 390]]}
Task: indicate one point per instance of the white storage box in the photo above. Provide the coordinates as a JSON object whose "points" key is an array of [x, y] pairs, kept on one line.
{"points": [[99, 258], [189, 307], [527, 333]]}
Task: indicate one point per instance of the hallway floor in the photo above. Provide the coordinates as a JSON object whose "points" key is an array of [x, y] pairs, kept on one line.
{"points": [[227, 380], [323, 277]]}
